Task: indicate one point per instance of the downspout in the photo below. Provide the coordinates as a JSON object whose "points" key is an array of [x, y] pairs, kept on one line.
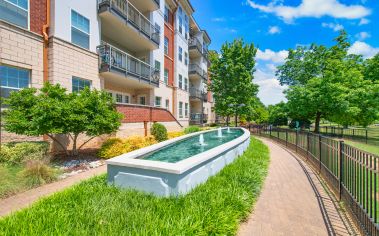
{"points": [[45, 34], [174, 88]]}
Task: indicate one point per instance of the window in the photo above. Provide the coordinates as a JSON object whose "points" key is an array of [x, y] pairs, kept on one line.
{"points": [[79, 30], [186, 84], [158, 65], [158, 101], [13, 79], [180, 24], [126, 98], [165, 45], [166, 76], [166, 14], [15, 12], [180, 54], [186, 58], [118, 97], [186, 110], [180, 81], [180, 10], [180, 109], [186, 26], [79, 84], [167, 104], [142, 100]]}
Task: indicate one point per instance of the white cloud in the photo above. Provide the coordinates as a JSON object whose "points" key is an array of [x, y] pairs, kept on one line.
{"points": [[364, 21], [274, 30], [312, 8], [363, 35], [335, 27], [218, 19], [364, 49], [270, 91], [269, 55]]}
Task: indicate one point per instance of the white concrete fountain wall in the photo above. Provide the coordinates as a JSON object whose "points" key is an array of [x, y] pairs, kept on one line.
{"points": [[167, 179]]}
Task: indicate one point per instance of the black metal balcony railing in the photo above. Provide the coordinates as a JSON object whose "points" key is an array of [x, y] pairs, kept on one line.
{"points": [[195, 69], [194, 43], [196, 93], [112, 58], [198, 118], [126, 10]]}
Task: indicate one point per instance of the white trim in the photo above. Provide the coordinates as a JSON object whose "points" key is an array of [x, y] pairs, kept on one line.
{"points": [[28, 10], [89, 29]]}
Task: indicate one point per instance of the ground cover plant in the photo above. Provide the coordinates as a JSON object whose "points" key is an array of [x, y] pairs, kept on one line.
{"points": [[93, 207]]}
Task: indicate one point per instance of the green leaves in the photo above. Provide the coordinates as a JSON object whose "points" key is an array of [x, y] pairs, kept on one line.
{"points": [[53, 111]]}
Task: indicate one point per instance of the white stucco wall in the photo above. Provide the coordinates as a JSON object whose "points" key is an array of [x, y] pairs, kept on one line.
{"points": [[61, 19]]}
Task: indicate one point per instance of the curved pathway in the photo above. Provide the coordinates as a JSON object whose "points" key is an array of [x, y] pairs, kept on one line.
{"points": [[293, 201]]}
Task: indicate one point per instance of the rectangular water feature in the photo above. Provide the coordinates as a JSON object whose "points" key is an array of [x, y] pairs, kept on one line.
{"points": [[177, 166]]}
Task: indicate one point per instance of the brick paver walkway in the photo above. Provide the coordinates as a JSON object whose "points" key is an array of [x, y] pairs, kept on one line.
{"points": [[294, 202], [24, 199]]}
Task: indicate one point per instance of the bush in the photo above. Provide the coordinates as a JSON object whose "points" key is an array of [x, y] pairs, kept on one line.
{"points": [[191, 129], [212, 125], [115, 146], [37, 172], [17, 153], [174, 134], [159, 132]]}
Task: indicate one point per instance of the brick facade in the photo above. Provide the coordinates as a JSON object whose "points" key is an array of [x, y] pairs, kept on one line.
{"points": [[67, 60], [24, 49], [38, 15], [138, 113]]}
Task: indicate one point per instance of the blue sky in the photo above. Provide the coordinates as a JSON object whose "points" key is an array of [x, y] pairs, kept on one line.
{"points": [[274, 26]]}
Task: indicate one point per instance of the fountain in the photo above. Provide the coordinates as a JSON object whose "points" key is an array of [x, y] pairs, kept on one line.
{"points": [[219, 132], [201, 140], [228, 129]]}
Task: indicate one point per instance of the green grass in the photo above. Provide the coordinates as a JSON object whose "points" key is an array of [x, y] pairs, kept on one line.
{"points": [[365, 147], [10, 181], [95, 208]]}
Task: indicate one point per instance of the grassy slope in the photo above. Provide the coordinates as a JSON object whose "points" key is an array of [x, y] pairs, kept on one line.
{"points": [[93, 207], [366, 147]]}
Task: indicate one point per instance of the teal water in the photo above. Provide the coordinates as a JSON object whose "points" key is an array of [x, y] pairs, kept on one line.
{"points": [[186, 148]]}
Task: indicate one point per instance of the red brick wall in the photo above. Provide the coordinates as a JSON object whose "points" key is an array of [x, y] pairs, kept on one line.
{"points": [[135, 113], [168, 60], [37, 15]]}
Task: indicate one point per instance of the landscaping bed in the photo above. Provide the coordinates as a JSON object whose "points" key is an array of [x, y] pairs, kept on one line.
{"points": [[94, 207]]}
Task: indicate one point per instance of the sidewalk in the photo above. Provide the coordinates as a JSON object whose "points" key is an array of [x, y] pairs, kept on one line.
{"points": [[294, 202], [24, 199]]}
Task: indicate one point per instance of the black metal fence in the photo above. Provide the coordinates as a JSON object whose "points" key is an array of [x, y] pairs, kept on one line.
{"points": [[351, 173], [369, 135]]}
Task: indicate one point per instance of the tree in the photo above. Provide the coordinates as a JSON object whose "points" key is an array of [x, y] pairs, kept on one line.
{"points": [[326, 83], [232, 78], [278, 114], [258, 112], [371, 70], [53, 111]]}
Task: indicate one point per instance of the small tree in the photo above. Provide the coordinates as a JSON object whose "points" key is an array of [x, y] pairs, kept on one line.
{"points": [[159, 132], [53, 111]]}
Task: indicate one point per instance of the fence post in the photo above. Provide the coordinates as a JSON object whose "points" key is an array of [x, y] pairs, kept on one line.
{"points": [[296, 139], [319, 147], [307, 145], [341, 144], [286, 138], [366, 136]]}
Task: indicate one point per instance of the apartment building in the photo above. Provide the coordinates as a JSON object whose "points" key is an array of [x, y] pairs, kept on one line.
{"points": [[150, 55]]}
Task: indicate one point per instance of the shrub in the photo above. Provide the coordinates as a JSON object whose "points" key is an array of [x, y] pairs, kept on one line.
{"points": [[17, 153], [191, 129], [212, 125], [159, 132], [115, 146], [37, 172], [174, 134]]}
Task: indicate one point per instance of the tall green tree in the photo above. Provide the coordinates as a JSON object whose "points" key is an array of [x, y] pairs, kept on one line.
{"points": [[278, 114], [371, 70], [327, 82], [52, 111], [232, 78]]}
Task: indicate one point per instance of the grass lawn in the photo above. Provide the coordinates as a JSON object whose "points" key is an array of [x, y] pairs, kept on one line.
{"points": [[365, 147], [94, 208]]}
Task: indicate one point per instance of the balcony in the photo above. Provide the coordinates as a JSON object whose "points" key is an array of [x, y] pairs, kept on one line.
{"points": [[125, 25], [116, 65], [198, 118], [195, 70], [197, 49], [145, 5], [196, 94]]}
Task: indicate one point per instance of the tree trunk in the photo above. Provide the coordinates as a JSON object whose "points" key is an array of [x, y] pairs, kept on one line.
{"points": [[59, 143], [227, 120], [74, 149], [317, 122]]}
